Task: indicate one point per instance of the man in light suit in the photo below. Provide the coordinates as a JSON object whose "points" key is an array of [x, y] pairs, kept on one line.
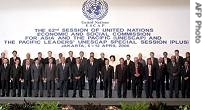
{"points": [[16, 72], [63, 75], [78, 73], [50, 75], [37, 71], [173, 69], [26, 79], [107, 76], [92, 76], [5, 77]]}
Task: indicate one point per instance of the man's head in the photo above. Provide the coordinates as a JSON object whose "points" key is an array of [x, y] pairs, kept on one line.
{"points": [[70, 53], [36, 61], [27, 62], [50, 60], [28, 56], [102, 55], [62, 59], [60, 55], [122, 61], [49, 53], [186, 63], [14, 53], [77, 60], [152, 54], [5, 61], [3, 55], [91, 54], [165, 54], [128, 56], [176, 52], [91, 59], [187, 54], [106, 62], [39, 54], [81, 53], [149, 61], [173, 58], [140, 55]]}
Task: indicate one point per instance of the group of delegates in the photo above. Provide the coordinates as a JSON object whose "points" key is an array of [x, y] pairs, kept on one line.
{"points": [[34, 76]]}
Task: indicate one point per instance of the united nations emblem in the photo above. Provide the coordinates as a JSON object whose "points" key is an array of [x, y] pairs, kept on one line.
{"points": [[95, 9]]}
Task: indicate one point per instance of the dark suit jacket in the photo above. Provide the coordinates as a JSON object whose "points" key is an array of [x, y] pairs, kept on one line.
{"points": [[121, 74], [12, 62], [37, 73], [77, 72], [130, 67], [140, 70], [50, 73], [108, 74], [68, 60], [16, 73], [46, 60], [173, 70], [63, 74], [161, 71], [180, 61], [1, 61], [5, 72], [153, 72], [92, 71], [26, 73]]}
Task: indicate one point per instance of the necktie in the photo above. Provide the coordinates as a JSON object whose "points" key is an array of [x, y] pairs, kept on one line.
{"points": [[63, 66], [107, 67], [121, 67], [50, 66], [5, 66], [150, 74]]}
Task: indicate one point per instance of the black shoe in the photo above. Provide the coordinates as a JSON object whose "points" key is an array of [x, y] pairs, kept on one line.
{"points": [[81, 96], [73, 96], [48, 96], [90, 96], [60, 96]]}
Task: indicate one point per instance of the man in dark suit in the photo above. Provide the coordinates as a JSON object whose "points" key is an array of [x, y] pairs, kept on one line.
{"points": [[107, 76], [149, 78], [63, 75], [154, 64], [130, 66], [83, 62], [137, 77], [26, 78], [49, 56], [71, 62], [180, 62], [5, 77], [92, 76], [16, 72], [173, 69], [186, 80], [101, 62], [40, 58], [37, 71], [12, 59], [121, 77], [28, 57], [78, 73], [50, 76], [166, 61], [160, 77]]}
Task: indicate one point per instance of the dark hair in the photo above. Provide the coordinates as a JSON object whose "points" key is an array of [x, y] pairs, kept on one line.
{"points": [[177, 51], [128, 55], [113, 57], [49, 51], [70, 51], [91, 52], [121, 58], [165, 53], [152, 53], [39, 53], [14, 51]]}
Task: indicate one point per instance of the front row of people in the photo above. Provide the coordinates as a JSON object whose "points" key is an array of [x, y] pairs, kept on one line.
{"points": [[37, 75]]}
